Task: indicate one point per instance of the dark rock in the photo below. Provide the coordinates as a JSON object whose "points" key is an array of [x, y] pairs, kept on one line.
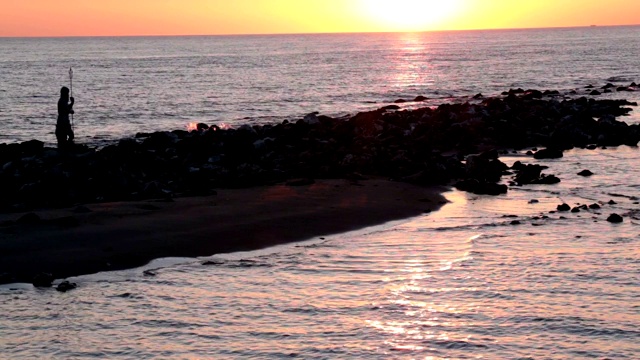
{"points": [[142, 135], [391, 107], [595, 93], [594, 206], [149, 273], [42, 280], [547, 180], [65, 221], [516, 222], [420, 98], [485, 166], [128, 145], [212, 262], [575, 209], [31, 147], [548, 153], [528, 174], [154, 190], [478, 187], [563, 207], [585, 173], [400, 101], [532, 94], [29, 219], [66, 286], [615, 218], [612, 202], [312, 118], [478, 96], [608, 86]]}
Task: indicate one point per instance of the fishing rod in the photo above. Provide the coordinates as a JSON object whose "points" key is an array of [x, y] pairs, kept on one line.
{"points": [[71, 91]]}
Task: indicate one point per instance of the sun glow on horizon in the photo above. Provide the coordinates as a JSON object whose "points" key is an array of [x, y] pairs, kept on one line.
{"points": [[410, 15], [224, 17]]}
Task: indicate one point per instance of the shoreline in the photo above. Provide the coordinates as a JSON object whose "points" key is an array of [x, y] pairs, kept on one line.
{"points": [[221, 190], [115, 236]]}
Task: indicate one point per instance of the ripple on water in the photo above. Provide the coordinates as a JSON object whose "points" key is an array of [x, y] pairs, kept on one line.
{"points": [[475, 287]]}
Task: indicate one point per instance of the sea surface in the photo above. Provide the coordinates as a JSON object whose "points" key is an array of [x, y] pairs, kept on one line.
{"points": [[464, 282]]}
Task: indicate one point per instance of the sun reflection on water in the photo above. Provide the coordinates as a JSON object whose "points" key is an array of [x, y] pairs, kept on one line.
{"points": [[418, 308]]}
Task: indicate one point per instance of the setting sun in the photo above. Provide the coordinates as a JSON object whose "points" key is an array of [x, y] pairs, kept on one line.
{"points": [[410, 15]]}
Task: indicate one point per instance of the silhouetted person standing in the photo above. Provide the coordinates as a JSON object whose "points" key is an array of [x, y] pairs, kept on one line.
{"points": [[64, 133]]}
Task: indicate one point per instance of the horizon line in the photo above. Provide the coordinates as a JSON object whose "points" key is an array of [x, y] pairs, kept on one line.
{"points": [[320, 33]]}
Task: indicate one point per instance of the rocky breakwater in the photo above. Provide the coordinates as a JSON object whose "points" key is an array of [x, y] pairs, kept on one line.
{"points": [[430, 145]]}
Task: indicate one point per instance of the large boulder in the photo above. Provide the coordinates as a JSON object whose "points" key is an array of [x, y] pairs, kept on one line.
{"points": [[548, 153]]}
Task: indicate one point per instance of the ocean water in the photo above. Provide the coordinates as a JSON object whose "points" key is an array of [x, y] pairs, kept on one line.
{"points": [[127, 85], [459, 283]]}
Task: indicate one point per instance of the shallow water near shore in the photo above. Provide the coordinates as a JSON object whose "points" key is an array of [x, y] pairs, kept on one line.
{"points": [[461, 283]]}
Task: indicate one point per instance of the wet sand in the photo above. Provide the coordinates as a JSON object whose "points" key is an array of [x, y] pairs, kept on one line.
{"points": [[113, 236]]}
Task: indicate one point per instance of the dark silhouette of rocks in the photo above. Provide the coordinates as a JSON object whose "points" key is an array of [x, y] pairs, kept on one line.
{"points": [[548, 154], [585, 173], [29, 219], [481, 174], [66, 286], [531, 174], [42, 280], [615, 218], [424, 146], [149, 273], [564, 207]]}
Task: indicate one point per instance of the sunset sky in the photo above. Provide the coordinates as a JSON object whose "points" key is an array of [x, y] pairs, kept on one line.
{"points": [[203, 17]]}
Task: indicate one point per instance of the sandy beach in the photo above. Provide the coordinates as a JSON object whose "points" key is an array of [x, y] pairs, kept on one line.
{"points": [[111, 236]]}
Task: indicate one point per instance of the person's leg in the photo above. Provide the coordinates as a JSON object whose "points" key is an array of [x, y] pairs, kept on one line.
{"points": [[61, 137]]}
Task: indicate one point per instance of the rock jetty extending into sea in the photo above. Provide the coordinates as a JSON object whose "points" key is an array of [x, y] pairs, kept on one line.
{"points": [[449, 144]]}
